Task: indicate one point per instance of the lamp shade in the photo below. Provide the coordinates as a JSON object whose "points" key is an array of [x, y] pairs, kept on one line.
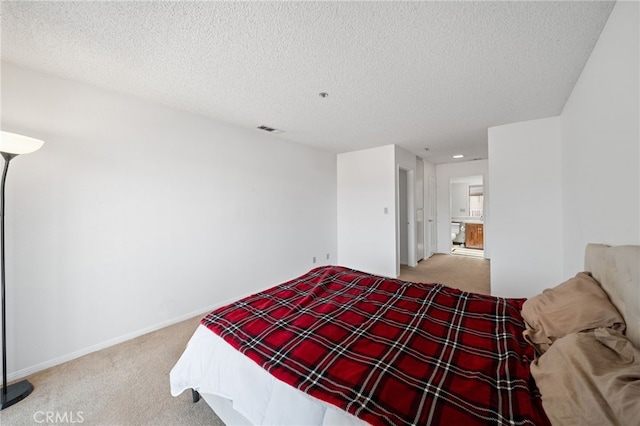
{"points": [[11, 143]]}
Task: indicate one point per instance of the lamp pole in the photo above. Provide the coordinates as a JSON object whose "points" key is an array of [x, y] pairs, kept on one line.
{"points": [[11, 145], [4, 316], [17, 391]]}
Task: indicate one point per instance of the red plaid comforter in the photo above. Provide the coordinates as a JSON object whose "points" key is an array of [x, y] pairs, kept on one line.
{"points": [[388, 351]]}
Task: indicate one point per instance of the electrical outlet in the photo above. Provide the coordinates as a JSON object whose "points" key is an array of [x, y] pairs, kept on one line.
{"points": [[314, 259], [327, 256]]}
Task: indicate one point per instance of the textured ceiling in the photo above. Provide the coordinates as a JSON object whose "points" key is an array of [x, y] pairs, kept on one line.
{"points": [[417, 74]]}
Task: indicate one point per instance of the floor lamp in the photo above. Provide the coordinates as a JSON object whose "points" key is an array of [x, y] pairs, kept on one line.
{"points": [[11, 145]]}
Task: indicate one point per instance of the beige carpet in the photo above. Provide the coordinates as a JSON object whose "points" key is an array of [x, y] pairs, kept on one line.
{"points": [[128, 384], [463, 272]]}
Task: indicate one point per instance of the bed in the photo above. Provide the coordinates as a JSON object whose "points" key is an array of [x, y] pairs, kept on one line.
{"points": [[341, 347]]}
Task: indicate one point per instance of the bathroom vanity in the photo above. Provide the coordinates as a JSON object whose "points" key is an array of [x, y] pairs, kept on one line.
{"points": [[474, 235]]}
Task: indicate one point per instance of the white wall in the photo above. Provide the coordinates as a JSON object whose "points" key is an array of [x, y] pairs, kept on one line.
{"points": [[367, 210], [589, 156], [133, 216], [444, 174], [460, 197], [601, 143], [526, 207]]}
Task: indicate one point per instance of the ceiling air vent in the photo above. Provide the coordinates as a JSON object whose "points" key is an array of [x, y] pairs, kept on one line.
{"points": [[270, 129]]}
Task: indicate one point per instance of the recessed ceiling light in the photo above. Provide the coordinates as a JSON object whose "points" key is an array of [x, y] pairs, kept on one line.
{"points": [[458, 156], [323, 94]]}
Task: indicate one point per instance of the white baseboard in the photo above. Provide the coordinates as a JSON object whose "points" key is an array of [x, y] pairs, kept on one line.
{"points": [[20, 374]]}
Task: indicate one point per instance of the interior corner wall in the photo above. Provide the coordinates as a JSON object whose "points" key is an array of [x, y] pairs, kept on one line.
{"points": [[367, 210], [526, 207], [601, 143], [134, 216], [444, 173]]}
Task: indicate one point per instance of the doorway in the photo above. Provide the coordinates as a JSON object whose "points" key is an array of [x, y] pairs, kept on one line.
{"points": [[467, 215]]}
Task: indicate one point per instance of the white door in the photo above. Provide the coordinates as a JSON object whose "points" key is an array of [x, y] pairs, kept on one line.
{"points": [[431, 217], [403, 207], [420, 234], [419, 194]]}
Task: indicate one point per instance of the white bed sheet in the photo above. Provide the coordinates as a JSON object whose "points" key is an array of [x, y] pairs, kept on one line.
{"points": [[212, 366]]}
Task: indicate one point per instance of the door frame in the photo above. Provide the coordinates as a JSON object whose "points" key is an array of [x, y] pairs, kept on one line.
{"points": [[431, 230], [410, 244]]}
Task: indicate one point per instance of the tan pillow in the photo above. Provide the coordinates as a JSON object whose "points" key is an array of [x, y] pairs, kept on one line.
{"points": [[577, 304], [590, 378]]}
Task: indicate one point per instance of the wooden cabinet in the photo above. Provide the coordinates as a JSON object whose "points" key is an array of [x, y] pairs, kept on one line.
{"points": [[474, 235]]}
